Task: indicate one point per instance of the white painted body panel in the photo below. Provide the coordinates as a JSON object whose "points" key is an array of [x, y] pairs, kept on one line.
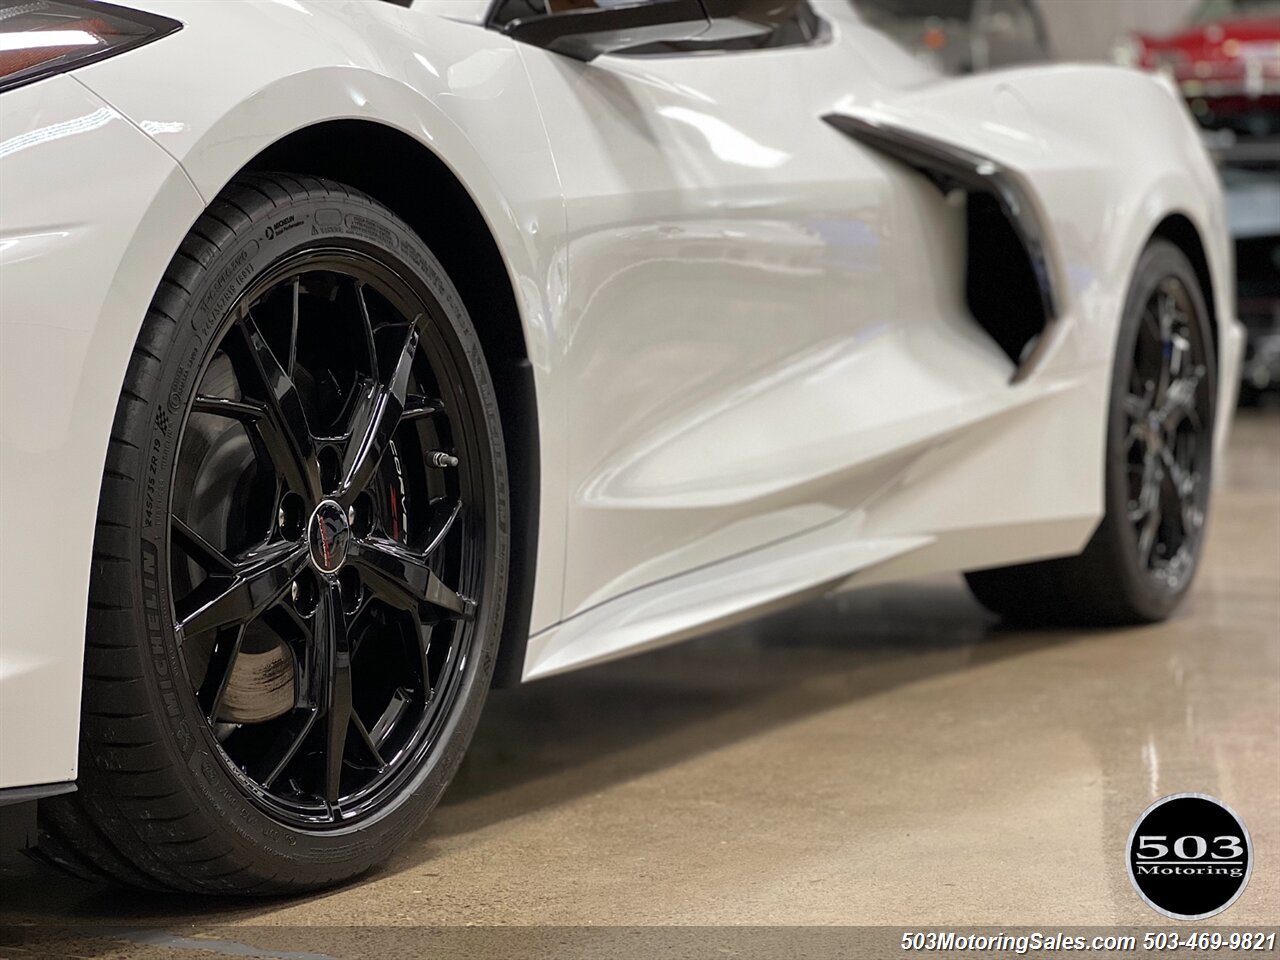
{"points": [[79, 263], [756, 375]]}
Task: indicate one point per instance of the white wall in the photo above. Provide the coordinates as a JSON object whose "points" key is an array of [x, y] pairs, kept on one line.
{"points": [[1087, 29]]}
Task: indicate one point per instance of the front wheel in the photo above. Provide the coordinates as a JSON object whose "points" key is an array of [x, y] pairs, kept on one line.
{"points": [[300, 560], [1159, 459]]}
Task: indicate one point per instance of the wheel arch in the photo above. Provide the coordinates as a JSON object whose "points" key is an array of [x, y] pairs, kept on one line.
{"points": [[1178, 229], [407, 177]]}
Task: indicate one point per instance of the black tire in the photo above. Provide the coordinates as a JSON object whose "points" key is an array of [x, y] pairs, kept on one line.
{"points": [[1111, 583], [161, 802]]}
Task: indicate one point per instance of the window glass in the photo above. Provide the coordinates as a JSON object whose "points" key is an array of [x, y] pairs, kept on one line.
{"points": [[754, 25], [506, 11], [943, 9], [736, 24]]}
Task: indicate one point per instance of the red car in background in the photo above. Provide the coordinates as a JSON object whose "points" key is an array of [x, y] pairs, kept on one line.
{"points": [[1227, 63]]}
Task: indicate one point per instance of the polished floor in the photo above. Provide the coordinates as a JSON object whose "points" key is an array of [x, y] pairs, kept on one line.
{"points": [[888, 757]]}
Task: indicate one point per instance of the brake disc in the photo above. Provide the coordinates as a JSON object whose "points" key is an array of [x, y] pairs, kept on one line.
{"points": [[262, 684]]}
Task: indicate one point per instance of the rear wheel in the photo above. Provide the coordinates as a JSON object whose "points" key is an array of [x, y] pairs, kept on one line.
{"points": [[300, 557], [1143, 556]]}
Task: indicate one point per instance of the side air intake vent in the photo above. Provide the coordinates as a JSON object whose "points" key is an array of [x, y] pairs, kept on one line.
{"points": [[1008, 285], [1000, 284]]}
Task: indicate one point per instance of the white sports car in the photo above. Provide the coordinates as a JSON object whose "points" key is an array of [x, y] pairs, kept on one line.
{"points": [[358, 355]]}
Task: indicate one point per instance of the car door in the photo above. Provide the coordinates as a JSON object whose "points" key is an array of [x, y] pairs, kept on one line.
{"points": [[730, 335]]}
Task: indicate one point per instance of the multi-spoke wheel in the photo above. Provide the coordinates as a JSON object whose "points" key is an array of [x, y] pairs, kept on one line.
{"points": [[303, 555], [1142, 558], [1167, 440]]}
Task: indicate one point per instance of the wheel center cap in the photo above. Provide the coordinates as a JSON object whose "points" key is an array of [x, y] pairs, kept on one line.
{"points": [[329, 536]]}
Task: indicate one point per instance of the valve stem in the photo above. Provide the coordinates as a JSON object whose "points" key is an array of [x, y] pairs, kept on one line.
{"points": [[438, 458]]}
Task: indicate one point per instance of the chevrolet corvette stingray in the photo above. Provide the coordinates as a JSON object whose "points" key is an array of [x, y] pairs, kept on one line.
{"points": [[358, 356]]}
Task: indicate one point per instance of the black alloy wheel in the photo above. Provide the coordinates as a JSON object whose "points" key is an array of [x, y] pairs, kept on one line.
{"points": [[301, 558], [325, 518], [1168, 443]]}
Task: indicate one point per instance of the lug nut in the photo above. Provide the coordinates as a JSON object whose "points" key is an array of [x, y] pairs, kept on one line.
{"points": [[290, 518]]}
